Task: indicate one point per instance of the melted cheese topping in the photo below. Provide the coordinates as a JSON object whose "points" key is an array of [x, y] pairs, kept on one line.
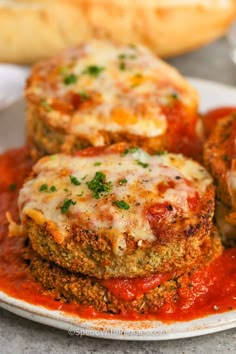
{"points": [[113, 88], [132, 181]]}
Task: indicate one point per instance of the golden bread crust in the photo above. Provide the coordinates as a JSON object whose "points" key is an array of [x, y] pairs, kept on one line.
{"points": [[161, 25]]}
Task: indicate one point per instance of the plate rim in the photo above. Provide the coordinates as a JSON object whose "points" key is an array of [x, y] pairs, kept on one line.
{"points": [[75, 325]]}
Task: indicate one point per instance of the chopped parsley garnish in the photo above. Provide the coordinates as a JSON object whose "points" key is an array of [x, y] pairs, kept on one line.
{"points": [[93, 70], [226, 157], [84, 95], [159, 153], [99, 185], [66, 205], [131, 150], [121, 204], [53, 189], [125, 152], [46, 105], [44, 188], [83, 178], [97, 163], [174, 95], [143, 164], [80, 195], [70, 79], [74, 180], [12, 186], [122, 181], [122, 65], [122, 56]]}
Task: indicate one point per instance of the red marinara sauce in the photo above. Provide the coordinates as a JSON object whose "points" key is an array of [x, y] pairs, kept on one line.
{"points": [[212, 290], [211, 117]]}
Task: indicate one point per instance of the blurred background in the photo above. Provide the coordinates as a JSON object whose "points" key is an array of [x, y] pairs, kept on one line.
{"points": [[196, 36]]}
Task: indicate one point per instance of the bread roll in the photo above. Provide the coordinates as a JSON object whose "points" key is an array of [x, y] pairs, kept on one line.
{"points": [[31, 30]]}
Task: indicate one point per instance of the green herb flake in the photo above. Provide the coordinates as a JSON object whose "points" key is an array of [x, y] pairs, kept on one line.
{"points": [[46, 105], [122, 65], [84, 95], [66, 205], [125, 152], [53, 189], [121, 204], [99, 185], [97, 163], [122, 181], [12, 187], [93, 70], [131, 150], [80, 194], [226, 157], [122, 56], [43, 188], [74, 180], [70, 79], [175, 96], [143, 164], [160, 153]]}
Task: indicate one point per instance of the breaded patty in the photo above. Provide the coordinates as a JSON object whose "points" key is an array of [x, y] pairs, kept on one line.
{"points": [[116, 211], [116, 296], [220, 159], [102, 93]]}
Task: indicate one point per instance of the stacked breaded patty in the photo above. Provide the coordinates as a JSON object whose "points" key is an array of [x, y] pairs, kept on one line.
{"points": [[102, 93], [220, 159], [114, 221], [108, 215], [122, 295]]}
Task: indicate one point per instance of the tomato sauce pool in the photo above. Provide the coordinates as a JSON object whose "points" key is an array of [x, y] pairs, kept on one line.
{"points": [[213, 290]]}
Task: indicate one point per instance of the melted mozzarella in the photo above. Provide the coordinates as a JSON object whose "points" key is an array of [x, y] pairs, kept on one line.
{"points": [[129, 90], [130, 182]]}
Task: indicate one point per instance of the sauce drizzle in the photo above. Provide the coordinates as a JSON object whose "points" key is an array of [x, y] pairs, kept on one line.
{"points": [[208, 291]]}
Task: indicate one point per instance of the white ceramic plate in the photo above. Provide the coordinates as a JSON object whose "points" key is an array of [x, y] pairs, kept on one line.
{"points": [[212, 95], [12, 79]]}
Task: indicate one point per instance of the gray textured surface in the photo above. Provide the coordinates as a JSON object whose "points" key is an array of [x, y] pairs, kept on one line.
{"points": [[21, 336], [211, 63]]}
